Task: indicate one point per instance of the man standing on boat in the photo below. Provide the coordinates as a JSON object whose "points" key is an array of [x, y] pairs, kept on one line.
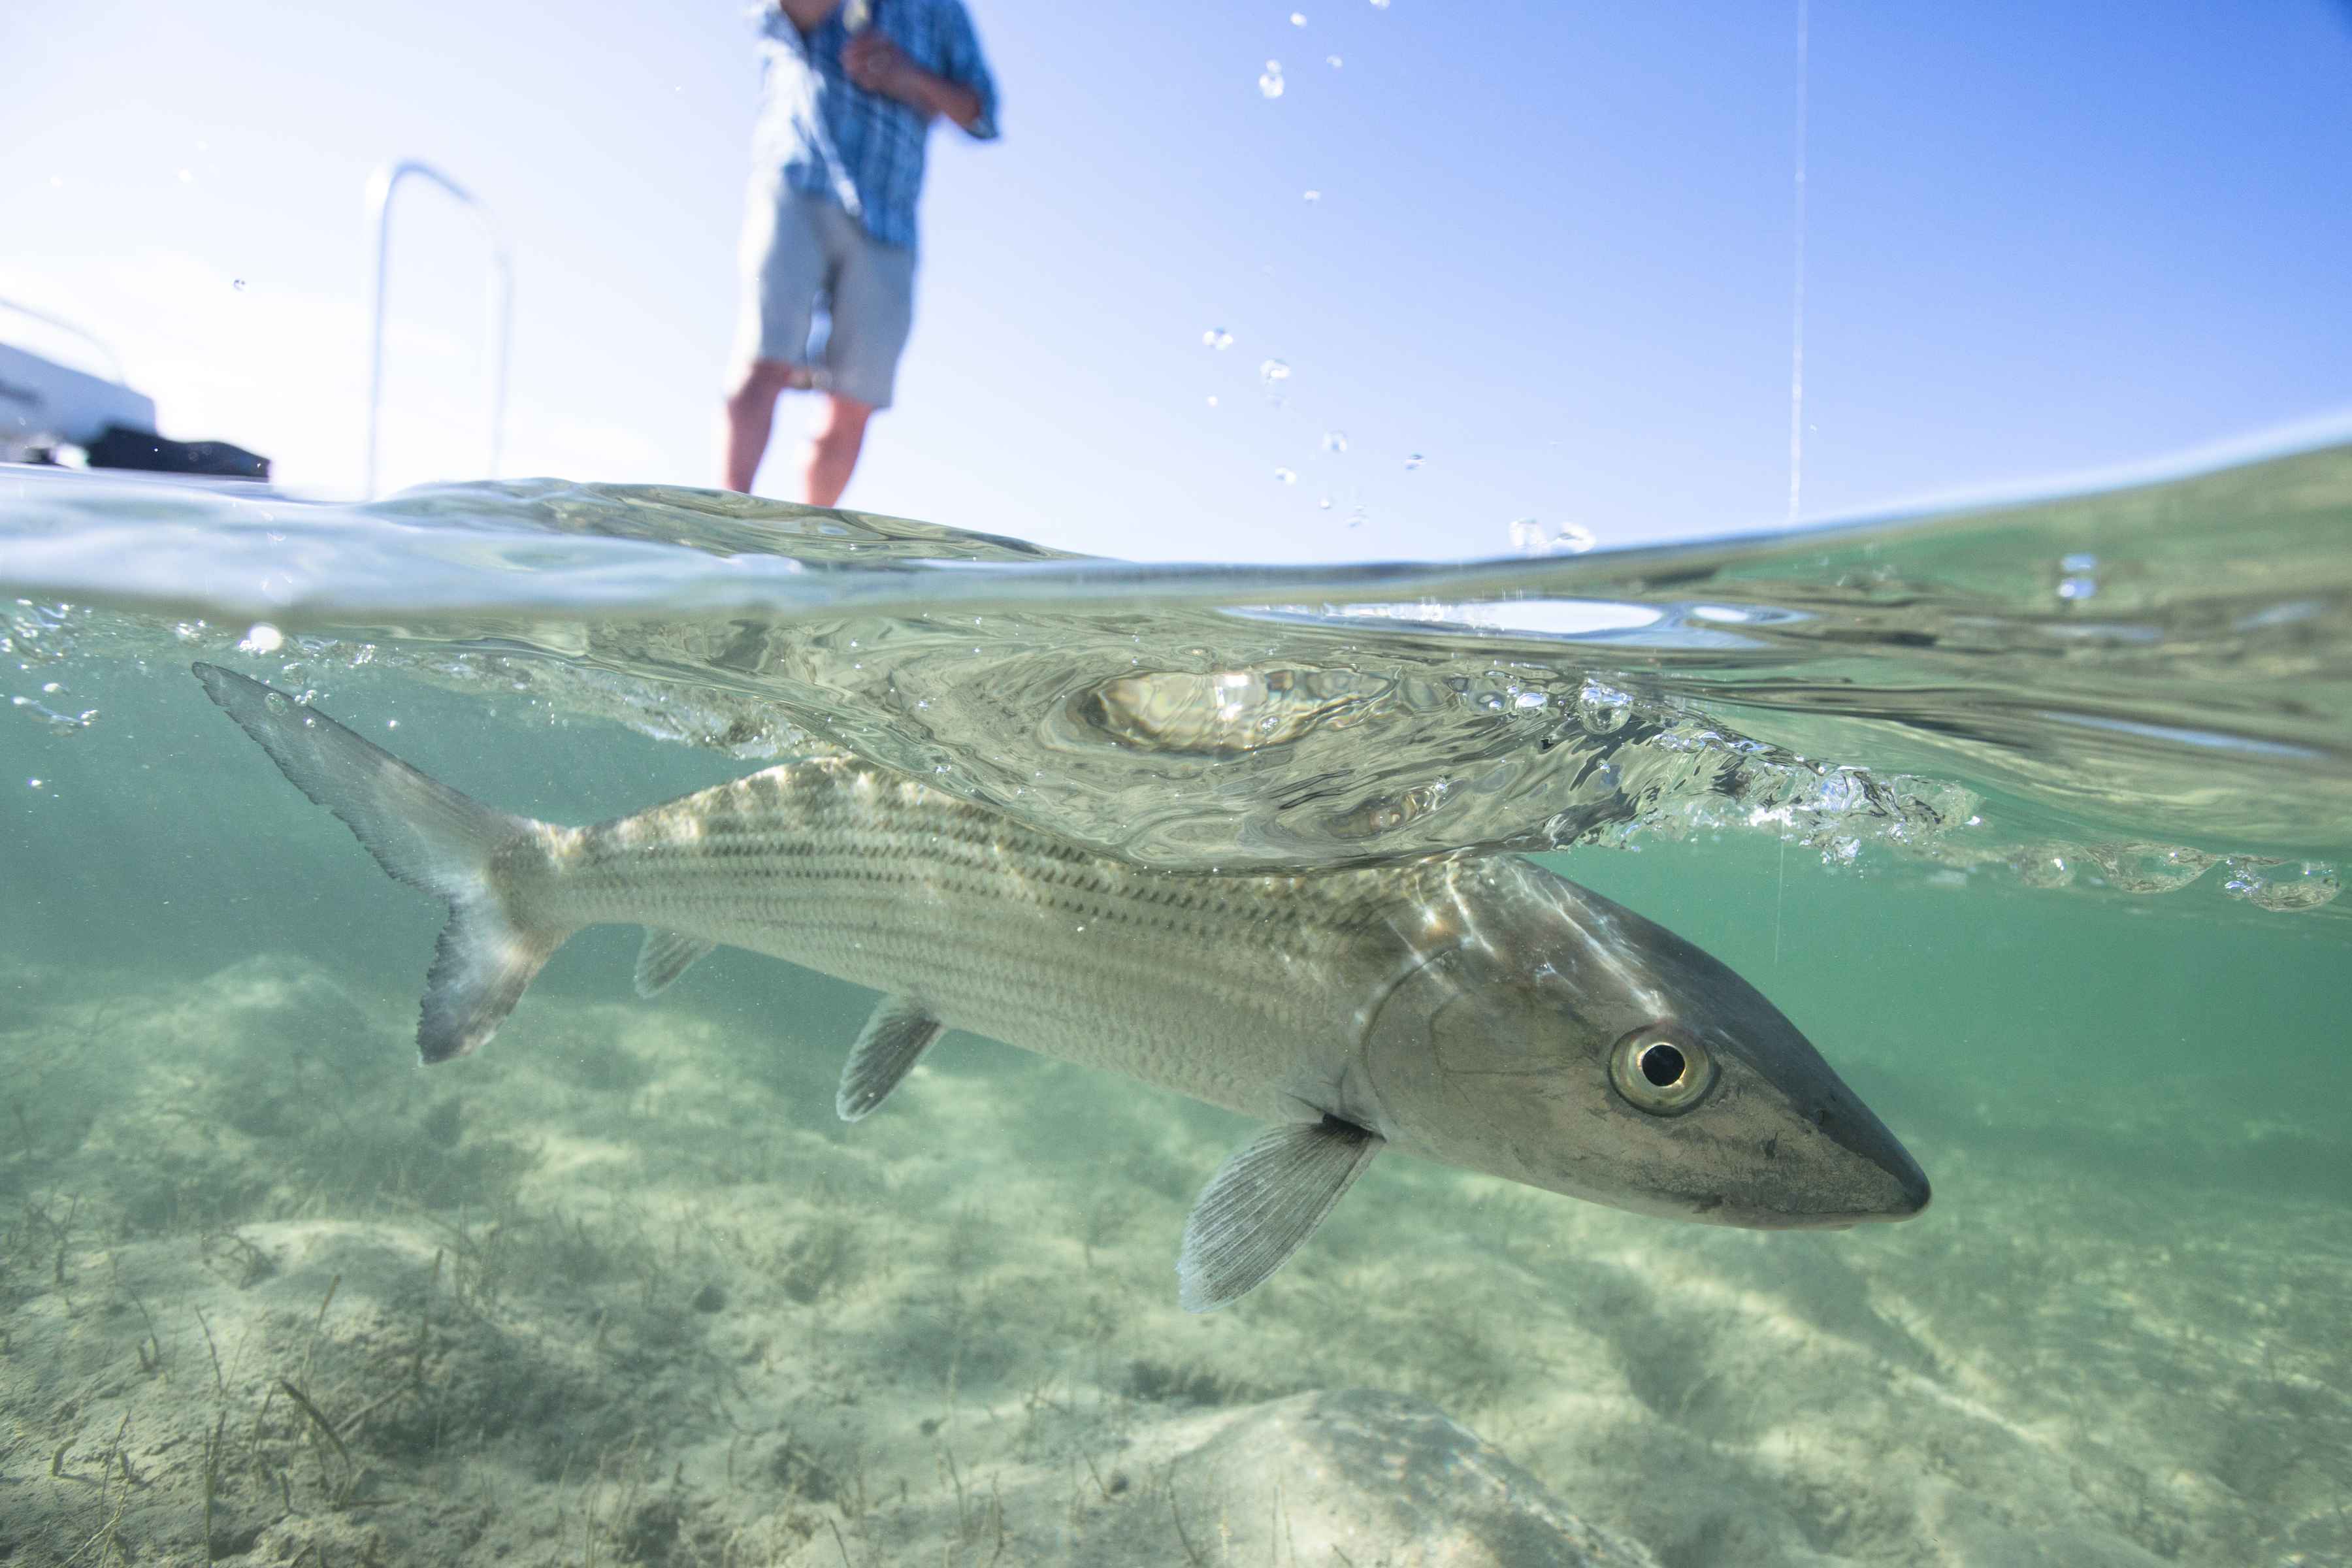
{"points": [[852, 88]]}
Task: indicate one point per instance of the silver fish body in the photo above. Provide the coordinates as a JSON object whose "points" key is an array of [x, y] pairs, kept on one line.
{"points": [[1233, 990], [1482, 1012]]}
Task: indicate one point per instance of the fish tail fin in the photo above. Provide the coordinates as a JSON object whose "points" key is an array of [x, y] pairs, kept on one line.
{"points": [[424, 833]]}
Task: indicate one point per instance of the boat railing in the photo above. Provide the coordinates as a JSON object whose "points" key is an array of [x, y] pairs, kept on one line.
{"points": [[381, 188], [58, 323]]}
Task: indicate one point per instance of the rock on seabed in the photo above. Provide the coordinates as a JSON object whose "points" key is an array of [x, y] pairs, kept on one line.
{"points": [[1385, 1478]]}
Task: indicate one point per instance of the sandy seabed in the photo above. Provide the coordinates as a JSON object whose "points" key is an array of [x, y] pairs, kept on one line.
{"points": [[623, 1291]]}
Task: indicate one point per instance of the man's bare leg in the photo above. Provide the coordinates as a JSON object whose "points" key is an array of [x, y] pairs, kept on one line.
{"points": [[750, 415], [833, 451]]}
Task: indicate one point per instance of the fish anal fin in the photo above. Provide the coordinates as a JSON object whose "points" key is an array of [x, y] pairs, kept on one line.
{"points": [[893, 1040], [1263, 1204], [665, 955]]}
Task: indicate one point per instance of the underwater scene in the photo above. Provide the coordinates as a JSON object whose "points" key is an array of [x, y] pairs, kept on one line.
{"points": [[1617, 946]]}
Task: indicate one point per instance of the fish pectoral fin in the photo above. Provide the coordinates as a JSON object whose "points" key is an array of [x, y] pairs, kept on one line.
{"points": [[1262, 1205], [893, 1040], [665, 955]]}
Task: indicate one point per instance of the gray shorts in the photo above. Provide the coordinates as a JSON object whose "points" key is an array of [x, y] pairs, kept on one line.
{"points": [[801, 250]]}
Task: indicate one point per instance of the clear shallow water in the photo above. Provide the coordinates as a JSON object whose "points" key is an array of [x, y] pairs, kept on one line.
{"points": [[2141, 690], [621, 1289]]}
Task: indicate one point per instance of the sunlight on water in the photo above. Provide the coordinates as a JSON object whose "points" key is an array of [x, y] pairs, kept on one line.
{"points": [[2029, 816], [1939, 692]]}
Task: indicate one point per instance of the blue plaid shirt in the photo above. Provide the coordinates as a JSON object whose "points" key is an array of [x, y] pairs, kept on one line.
{"points": [[833, 138]]}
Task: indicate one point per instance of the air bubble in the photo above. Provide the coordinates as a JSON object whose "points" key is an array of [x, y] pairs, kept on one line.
{"points": [[2078, 578], [1273, 370], [1602, 710], [1298, 18], [262, 638], [1286, 476], [1413, 460], [57, 723], [2043, 866], [1270, 82], [1311, 196], [1839, 791], [276, 702], [2149, 867], [1217, 337], [2306, 885], [1331, 60]]}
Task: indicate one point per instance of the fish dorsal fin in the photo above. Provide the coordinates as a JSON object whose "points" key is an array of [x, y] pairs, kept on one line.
{"points": [[1262, 1205], [665, 955], [893, 1040]]}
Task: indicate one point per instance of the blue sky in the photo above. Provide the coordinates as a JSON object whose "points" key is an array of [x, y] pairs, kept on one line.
{"points": [[1552, 251]]}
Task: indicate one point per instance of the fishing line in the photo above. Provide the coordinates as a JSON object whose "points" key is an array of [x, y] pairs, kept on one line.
{"points": [[1779, 897], [1797, 305]]}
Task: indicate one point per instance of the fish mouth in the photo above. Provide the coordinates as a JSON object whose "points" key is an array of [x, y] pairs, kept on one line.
{"points": [[1873, 1180], [1850, 1124], [1913, 1183], [1712, 1208], [1912, 1195]]}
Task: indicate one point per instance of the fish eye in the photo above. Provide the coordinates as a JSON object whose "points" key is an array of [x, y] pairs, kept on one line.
{"points": [[1661, 1070]]}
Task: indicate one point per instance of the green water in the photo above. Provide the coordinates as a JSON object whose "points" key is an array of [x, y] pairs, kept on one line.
{"points": [[621, 1289]]}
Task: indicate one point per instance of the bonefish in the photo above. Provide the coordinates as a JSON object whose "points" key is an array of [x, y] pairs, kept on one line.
{"points": [[1479, 1012]]}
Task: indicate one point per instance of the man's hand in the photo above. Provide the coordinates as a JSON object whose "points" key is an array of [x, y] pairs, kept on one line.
{"points": [[877, 64]]}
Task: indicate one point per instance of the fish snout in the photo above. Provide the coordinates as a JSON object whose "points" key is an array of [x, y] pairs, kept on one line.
{"points": [[1911, 1188], [1826, 1165], [1883, 1182]]}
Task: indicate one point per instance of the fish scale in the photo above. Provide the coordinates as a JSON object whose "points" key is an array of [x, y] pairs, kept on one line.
{"points": [[888, 883]]}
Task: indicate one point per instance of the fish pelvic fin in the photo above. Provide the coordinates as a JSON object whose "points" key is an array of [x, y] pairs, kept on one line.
{"points": [[424, 833], [900, 1030], [665, 955], [1263, 1204]]}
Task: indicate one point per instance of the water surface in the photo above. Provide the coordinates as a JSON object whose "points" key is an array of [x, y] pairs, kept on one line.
{"points": [[621, 1289]]}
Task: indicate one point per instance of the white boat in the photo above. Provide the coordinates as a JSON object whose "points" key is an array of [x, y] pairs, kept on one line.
{"points": [[48, 404]]}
